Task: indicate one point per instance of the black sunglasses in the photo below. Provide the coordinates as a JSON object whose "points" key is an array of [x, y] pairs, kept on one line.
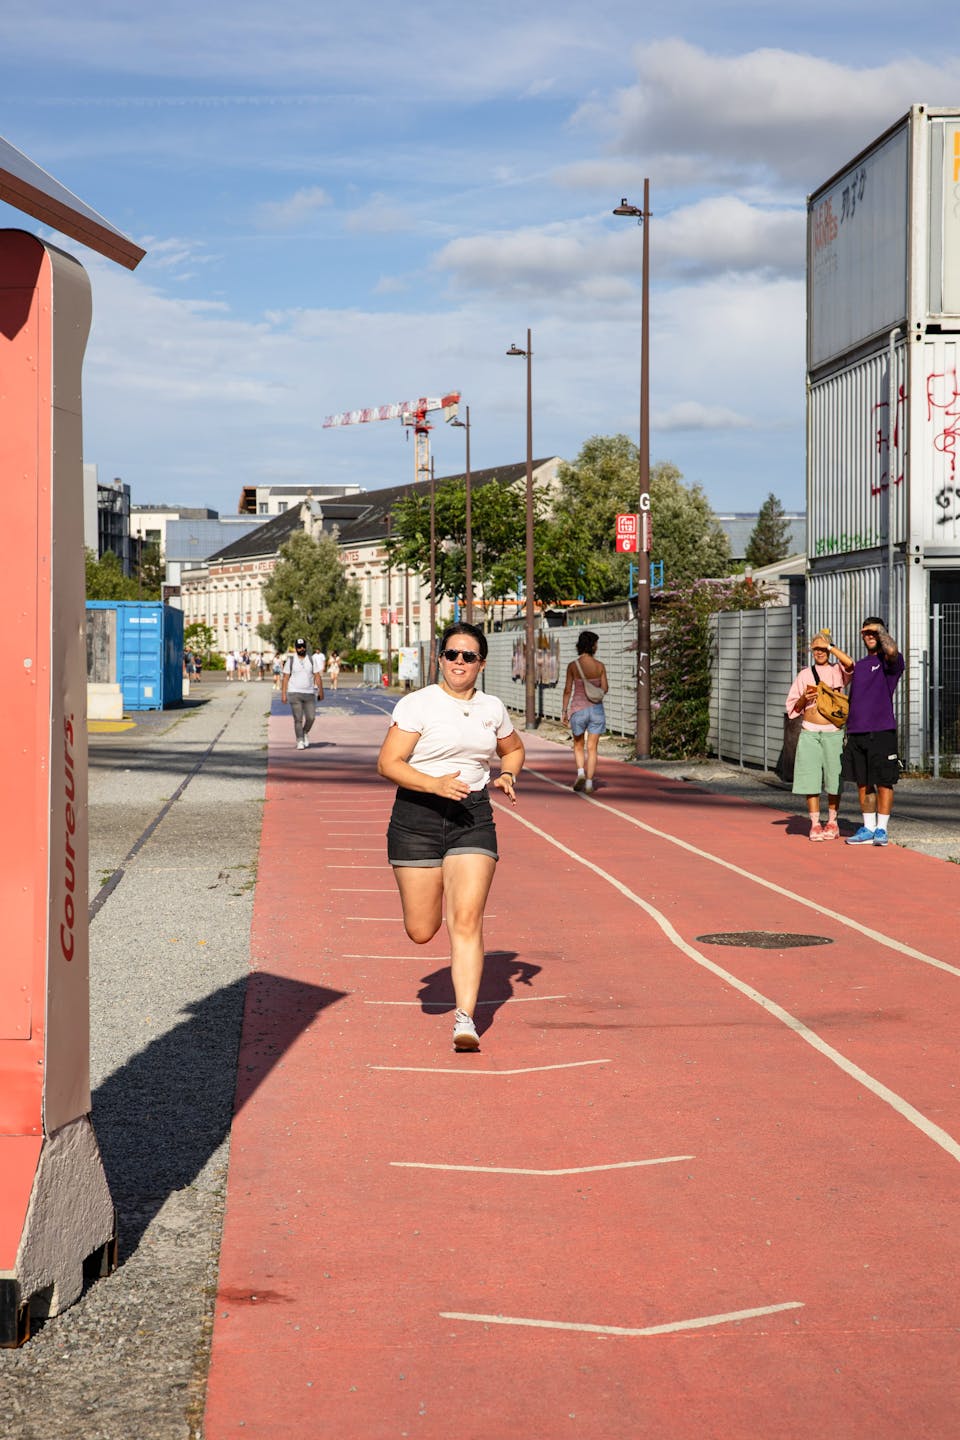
{"points": [[470, 657]]}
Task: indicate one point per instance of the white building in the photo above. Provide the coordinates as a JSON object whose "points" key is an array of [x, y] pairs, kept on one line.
{"points": [[226, 592]]}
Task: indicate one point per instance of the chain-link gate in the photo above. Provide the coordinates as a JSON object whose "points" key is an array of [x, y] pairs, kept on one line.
{"points": [[945, 690]]}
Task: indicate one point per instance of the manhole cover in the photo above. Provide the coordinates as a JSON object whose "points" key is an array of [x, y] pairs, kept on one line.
{"points": [[764, 939]]}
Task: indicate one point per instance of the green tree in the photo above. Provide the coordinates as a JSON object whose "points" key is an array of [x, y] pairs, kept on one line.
{"points": [[498, 524], [770, 538], [308, 595], [603, 482], [150, 572], [199, 637], [105, 579]]}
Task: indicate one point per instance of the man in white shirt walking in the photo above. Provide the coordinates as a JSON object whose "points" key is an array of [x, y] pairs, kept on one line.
{"points": [[302, 685]]}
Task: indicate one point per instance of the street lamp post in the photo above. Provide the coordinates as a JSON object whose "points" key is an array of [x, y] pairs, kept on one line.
{"points": [[468, 538], [530, 721], [433, 572], [643, 568]]}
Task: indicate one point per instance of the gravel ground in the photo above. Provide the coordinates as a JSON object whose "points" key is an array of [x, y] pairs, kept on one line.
{"points": [[169, 961]]}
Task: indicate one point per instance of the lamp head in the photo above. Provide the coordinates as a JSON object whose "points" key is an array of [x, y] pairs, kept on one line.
{"points": [[515, 350]]}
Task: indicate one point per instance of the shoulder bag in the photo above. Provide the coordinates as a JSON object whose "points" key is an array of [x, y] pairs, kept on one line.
{"points": [[593, 692], [832, 704]]}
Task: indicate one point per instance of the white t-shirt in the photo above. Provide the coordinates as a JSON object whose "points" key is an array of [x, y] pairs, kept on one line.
{"points": [[454, 734], [321, 660], [301, 669]]}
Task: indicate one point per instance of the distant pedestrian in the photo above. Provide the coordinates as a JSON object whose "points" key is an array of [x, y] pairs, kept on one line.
{"points": [[870, 757], [231, 664], [302, 685], [277, 671], [582, 707], [333, 669], [820, 744]]}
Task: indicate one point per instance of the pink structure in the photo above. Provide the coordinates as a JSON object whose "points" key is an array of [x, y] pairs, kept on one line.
{"points": [[57, 1221]]}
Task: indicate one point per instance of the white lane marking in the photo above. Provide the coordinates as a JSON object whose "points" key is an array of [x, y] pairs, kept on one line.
{"points": [[429, 955], [574, 1170], [876, 1087], [701, 1322], [449, 1004], [464, 1070], [850, 923]]}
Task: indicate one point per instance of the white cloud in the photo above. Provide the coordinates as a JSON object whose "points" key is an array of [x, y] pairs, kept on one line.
{"points": [[796, 116], [692, 415], [295, 210]]}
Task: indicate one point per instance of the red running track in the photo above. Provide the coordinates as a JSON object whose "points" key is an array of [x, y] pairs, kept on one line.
{"points": [[682, 1190]]}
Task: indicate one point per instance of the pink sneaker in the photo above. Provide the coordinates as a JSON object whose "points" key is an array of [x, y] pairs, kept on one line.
{"points": [[816, 831], [831, 831]]}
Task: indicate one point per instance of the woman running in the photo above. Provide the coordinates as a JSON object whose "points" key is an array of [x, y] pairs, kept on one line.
{"points": [[441, 841]]}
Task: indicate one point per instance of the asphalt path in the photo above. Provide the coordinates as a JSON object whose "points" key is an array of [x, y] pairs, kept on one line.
{"points": [[685, 1187]]}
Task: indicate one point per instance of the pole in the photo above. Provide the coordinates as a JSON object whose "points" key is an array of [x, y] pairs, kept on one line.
{"points": [[433, 573], [389, 603], [530, 722], [468, 598], [643, 567]]}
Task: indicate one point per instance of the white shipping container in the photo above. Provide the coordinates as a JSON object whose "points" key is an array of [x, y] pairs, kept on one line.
{"points": [[883, 238]]}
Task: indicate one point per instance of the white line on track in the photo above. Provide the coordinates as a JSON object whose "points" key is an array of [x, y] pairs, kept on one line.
{"points": [[449, 1004], [434, 955], [465, 1070], [573, 1170], [851, 924], [876, 1087], [702, 1322]]}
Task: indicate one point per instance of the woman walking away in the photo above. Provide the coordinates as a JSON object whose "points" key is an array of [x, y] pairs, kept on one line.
{"points": [[441, 841], [820, 745], [582, 707]]}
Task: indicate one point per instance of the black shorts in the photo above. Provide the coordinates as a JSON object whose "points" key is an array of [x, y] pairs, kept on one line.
{"points": [[424, 828], [871, 758]]}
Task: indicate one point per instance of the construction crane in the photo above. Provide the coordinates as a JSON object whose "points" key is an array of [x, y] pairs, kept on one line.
{"points": [[409, 412]]}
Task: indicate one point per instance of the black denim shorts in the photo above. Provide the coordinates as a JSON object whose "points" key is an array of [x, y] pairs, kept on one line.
{"points": [[424, 828]]}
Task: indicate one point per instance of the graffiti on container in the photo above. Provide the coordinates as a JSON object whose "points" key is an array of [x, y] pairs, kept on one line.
{"points": [[943, 413], [852, 193], [837, 544], [883, 443]]}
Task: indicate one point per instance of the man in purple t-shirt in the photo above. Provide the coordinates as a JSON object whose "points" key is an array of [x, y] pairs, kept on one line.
{"points": [[870, 757]]}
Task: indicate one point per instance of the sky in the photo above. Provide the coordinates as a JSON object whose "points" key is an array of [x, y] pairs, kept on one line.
{"points": [[347, 208]]}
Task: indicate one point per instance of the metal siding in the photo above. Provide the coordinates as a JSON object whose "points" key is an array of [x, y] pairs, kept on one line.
{"points": [[847, 462], [857, 251], [935, 450]]}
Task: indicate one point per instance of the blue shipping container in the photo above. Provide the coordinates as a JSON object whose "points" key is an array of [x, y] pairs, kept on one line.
{"points": [[147, 652]]}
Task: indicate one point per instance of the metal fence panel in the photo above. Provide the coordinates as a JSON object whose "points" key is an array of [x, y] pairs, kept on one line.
{"points": [[754, 661], [617, 650]]}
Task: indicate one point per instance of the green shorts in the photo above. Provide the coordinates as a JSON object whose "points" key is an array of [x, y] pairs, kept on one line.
{"points": [[817, 766]]}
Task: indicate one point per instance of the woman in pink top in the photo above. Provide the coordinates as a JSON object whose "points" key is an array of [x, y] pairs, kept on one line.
{"points": [[820, 746], [583, 712]]}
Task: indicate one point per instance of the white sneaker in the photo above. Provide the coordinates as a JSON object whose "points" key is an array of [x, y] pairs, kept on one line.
{"points": [[465, 1035], [301, 744], [306, 743], [588, 788]]}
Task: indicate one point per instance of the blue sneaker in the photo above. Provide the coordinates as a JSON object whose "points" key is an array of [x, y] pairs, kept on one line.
{"points": [[865, 837], [879, 837]]}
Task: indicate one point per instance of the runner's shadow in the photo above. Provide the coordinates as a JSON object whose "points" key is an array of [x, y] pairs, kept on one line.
{"points": [[501, 969]]}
